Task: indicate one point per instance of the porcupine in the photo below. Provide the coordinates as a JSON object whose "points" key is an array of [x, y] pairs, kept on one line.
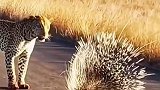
{"points": [[105, 62]]}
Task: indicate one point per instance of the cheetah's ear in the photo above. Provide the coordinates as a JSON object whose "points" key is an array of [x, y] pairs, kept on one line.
{"points": [[38, 17], [31, 17]]}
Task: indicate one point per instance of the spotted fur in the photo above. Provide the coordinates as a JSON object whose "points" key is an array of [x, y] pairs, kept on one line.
{"points": [[17, 40]]}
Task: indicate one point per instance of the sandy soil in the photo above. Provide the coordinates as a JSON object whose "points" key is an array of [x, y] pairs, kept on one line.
{"points": [[46, 67]]}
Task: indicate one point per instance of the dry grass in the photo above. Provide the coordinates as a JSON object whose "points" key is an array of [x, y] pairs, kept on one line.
{"points": [[138, 20]]}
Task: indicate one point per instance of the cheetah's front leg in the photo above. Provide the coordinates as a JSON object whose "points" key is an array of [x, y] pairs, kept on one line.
{"points": [[23, 60], [9, 60]]}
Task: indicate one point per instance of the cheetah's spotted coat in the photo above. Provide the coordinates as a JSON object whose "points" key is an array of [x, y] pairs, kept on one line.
{"points": [[17, 40]]}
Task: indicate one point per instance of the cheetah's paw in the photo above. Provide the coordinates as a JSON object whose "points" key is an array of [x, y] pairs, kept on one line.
{"points": [[13, 86], [24, 86]]}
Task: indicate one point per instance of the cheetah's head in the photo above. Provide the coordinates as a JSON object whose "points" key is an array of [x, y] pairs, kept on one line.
{"points": [[40, 26], [44, 35]]}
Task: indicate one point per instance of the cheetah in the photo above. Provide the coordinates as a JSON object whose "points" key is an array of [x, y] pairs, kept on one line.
{"points": [[17, 40]]}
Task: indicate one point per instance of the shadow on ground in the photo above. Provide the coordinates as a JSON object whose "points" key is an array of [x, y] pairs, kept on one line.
{"points": [[3, 88]]}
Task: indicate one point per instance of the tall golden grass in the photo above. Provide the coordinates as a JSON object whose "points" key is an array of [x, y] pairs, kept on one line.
{"points": [[138, 20]]}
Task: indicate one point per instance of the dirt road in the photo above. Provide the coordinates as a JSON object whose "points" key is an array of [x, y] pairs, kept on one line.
{"points": [[46, 67]]}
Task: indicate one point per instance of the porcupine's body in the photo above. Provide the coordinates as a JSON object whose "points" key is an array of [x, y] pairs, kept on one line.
{"points": [[17, 40], [105, 62]]}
